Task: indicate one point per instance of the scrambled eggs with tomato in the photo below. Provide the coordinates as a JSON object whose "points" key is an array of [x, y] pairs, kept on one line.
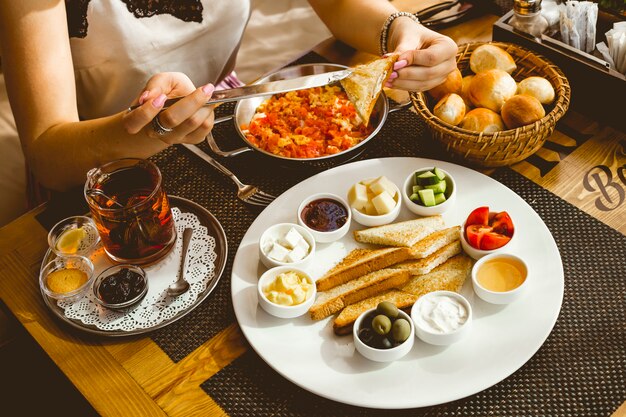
{"points": [[308, 123]]}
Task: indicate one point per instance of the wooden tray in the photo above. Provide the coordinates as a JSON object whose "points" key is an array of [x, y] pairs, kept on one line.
{"points": [[596, 89]]}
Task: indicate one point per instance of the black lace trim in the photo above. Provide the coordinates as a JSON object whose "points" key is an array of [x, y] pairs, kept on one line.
{"points": [[185, 10]]}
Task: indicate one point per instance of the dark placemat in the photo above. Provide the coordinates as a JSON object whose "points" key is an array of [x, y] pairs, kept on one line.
{"points": [[579, 371]]}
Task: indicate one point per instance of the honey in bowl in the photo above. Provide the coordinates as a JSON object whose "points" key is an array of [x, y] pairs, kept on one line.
{"points": [[501, 274], [66, 280]]}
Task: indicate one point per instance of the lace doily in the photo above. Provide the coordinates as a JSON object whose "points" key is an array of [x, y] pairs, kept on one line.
{"points": [[157, 306]]}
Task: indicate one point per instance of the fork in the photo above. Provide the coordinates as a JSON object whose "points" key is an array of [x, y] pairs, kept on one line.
{"points": [[246, 193]]}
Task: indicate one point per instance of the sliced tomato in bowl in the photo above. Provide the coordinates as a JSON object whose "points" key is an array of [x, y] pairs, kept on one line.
{"points": [[502, 224], [492, 240], [475, 233], [478, 216]]}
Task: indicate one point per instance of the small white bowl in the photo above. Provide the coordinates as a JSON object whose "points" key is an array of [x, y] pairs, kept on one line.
{"points": [[331, 236], [429, 334], [479, 253], [281, 311], [383, 355], [379, 220], [281, 229], [407, 190], [499, 297]]}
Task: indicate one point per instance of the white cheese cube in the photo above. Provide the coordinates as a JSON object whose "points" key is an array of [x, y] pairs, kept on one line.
{"points": [[384, 203], [302, 243], [381, 185], [267, 245], [369, 209], [357, 196], [278, 253], [368, 181], [296, 254], [291, 239]]}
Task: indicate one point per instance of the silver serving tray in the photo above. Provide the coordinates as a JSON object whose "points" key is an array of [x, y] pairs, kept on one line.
{"points": [[214, 228]]}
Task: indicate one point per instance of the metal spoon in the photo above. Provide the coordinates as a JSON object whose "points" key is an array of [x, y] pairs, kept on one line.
{"points": [[181, 285], [96, 191]]}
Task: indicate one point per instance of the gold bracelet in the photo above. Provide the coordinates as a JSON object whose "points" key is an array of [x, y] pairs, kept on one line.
{"points": [[385, 30]]}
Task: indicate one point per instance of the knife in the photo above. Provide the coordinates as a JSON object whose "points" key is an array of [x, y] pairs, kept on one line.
{"points": [[266, 89]]}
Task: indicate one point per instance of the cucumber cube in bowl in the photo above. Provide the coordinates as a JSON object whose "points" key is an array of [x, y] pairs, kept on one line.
{"points": [[440, 198], [427, 196], [439, 173], [438, 188], [426, 178], [429, 191]]}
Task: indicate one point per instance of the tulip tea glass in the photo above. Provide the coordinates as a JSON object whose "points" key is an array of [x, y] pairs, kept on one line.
{"points": [[131, 210]]}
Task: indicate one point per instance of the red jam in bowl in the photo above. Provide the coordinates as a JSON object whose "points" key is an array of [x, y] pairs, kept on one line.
{"points": [[324, 215]]}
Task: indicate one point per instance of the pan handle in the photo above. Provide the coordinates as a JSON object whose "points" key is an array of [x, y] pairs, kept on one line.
{"points": [[215, 148], [394, 106]]}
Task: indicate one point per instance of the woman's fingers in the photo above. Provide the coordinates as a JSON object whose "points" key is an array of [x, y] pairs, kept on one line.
{"points": [[142, 116], [439, 50], [189, 119], [185, 108], [173, 84], [193, 130]]}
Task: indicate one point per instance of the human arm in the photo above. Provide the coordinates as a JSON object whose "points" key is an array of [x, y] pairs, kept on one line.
{"points": [[425, 57], [59, 147]]}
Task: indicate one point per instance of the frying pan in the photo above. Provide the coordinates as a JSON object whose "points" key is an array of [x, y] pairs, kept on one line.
{"points": [[245, 109]]}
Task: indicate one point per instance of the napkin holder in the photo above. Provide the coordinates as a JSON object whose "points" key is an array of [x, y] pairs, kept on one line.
{"points": [[597, 90]]}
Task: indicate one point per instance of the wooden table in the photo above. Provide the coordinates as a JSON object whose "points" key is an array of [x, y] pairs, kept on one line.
{"points": [[583, 162]]}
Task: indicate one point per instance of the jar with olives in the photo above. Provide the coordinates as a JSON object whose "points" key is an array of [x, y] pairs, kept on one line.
{"points": [[384, 327]]}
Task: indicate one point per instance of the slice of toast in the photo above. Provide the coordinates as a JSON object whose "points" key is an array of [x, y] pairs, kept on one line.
{"points": [[425, 265], [344, 321], [365, 83], [332, 301], [449, 276], [406, 233], [361, 262], [435, 241]]}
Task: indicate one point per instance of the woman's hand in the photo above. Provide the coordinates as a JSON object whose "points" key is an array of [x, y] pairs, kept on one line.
{"points": [[425, 57], [190, 120]]}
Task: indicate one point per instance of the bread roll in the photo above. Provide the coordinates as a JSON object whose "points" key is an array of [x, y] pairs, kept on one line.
{"points": [[488, 57], [538, 87], [467, 80], [482, 120], [491, 89], [521, 110], [452, 84], [450, 109]]}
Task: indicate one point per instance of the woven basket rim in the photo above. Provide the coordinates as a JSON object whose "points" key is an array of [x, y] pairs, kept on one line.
{"points": [[561, 104]]}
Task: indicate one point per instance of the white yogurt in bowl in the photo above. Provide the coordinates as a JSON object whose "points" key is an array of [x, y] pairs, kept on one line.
{"points": [[441, 317]]}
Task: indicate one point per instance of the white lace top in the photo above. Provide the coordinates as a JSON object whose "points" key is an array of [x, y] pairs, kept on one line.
{"points": [[118, 44]]}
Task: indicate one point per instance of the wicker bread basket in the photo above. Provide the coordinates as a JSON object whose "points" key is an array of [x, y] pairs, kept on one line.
{"points": [[508, 146]]}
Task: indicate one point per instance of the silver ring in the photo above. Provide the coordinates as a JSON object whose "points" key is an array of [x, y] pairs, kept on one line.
{"points": [[159, 128]]}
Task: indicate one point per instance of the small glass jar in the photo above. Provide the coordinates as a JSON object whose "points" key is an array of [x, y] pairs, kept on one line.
{"points": [[528, 17]]}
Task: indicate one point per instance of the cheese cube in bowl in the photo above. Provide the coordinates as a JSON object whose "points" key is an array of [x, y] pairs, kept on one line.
{"points": [[374, 201], [286, 244]]}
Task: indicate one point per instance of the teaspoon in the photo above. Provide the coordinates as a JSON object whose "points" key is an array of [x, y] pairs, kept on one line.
{"points": [[181, 285]]}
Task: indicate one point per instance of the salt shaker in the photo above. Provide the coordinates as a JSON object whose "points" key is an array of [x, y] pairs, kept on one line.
{"points": [[528, 18]]}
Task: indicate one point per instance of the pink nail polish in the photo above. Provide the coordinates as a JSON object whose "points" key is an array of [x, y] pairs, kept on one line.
{"points": [[393, 75], [159, 101], [144, 96], [400, 64], [208, 89]]}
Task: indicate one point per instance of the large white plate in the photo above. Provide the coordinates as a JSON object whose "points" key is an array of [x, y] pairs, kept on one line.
{"points": [[503, 338]]}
